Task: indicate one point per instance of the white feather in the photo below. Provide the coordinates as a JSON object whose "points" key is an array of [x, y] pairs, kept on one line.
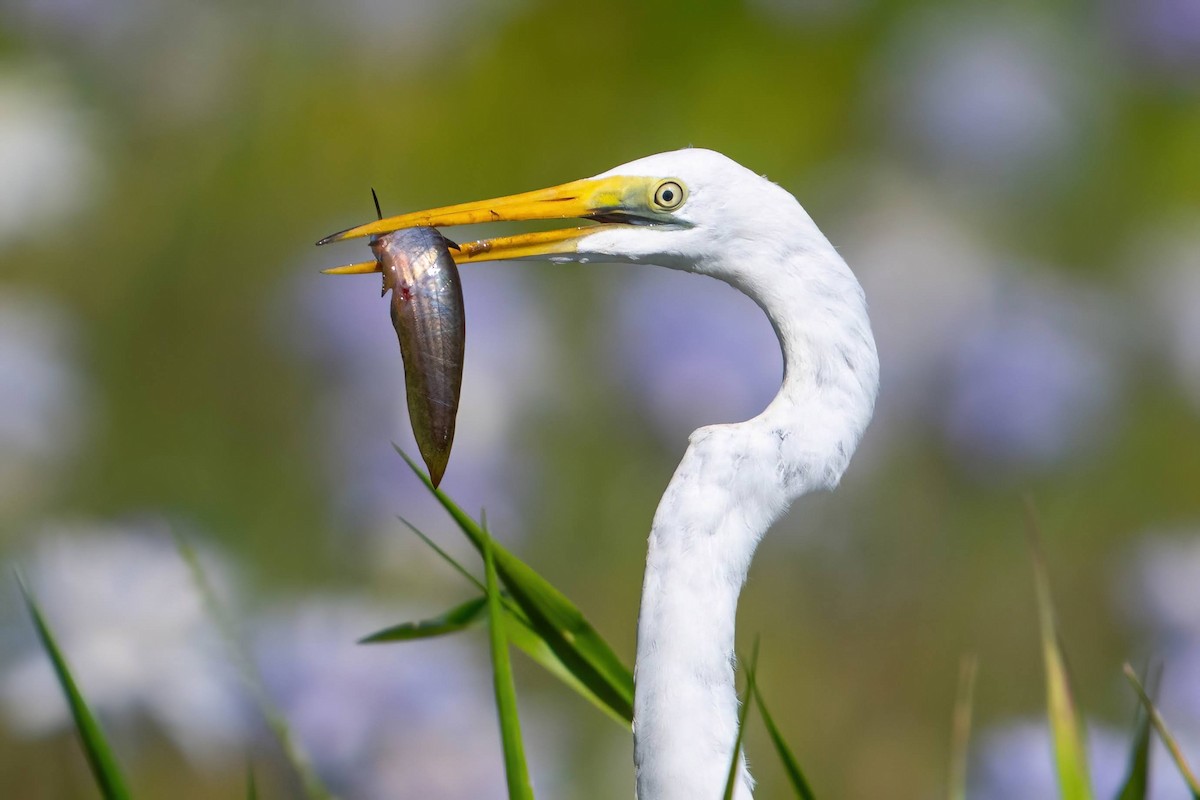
{"points": [[735, 480]]}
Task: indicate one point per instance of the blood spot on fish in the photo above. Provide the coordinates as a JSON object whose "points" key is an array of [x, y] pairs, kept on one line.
{"points": [[405, 292]]}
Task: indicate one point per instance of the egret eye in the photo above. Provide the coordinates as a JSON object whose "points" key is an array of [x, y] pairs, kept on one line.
{"points": [[668, 195]]}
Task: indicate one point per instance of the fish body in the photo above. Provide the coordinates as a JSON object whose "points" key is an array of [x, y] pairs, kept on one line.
{"points": [[427, 313]]}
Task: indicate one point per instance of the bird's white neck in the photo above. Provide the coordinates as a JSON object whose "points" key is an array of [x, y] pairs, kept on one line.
{"points": [[732, 484]]}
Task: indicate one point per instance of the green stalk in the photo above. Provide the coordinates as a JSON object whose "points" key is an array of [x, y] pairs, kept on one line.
{"points": [[101, 760], [515, 770]]}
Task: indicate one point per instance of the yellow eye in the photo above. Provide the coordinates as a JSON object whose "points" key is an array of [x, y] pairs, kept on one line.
{"points": [[668, 195]]}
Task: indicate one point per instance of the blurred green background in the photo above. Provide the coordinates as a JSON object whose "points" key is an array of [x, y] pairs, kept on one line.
{"points": [[1017, 186]]}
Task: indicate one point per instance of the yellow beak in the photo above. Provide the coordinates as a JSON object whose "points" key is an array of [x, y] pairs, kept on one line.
{"points": [[587, 199]]}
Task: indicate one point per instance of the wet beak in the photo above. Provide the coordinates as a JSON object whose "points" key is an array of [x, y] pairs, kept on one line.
{"points": [[594, 198]]}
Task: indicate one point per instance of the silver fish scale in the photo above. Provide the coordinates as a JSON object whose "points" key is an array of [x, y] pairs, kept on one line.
{"points": [[427, 313]]}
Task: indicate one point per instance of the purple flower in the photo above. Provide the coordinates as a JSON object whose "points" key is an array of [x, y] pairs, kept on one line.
{"points": [[1014, 370], [1029, 383], [1165, 34], [927, 280], [92, 23], [986, 94], [382, 721], [1016, 760], [1162, 587], [693, 350], [1179, 694], [127, 615], [42, 398]]}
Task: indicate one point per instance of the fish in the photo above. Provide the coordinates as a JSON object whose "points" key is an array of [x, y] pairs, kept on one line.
{"points": [[430, 321]]}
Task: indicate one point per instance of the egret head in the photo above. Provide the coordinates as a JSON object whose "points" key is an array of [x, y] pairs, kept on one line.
{"points": [[693, 209]]}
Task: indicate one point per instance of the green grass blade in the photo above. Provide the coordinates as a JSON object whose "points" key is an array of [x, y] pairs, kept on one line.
{"points": [[961, 737], [314, 787], [1137, 782], [790, 765], [1070, 750], [105, 770], [251, 784], [535, 647], [1164, 733], [522, 634], [449, 559], [456, 619], [515, 769], [743, 715], [555, 618]]}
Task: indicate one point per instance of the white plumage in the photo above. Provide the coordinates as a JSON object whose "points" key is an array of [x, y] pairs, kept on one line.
{"points": [[735, 480]]}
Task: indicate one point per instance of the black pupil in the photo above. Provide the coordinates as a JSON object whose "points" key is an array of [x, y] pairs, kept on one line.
{"points": [[668, 195]]}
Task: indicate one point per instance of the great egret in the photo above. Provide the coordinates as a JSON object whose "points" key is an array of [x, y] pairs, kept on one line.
{"points": [[698, 211]]}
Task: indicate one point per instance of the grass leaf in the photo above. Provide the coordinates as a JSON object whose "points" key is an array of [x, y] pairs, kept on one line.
{"points": [[790, 765], [535, 647], [551, 615], [743, 714], [449, 559], [105, 770], [1070, 750], [314, 787], [961, 736], [251, 785], [515, 769], [1164, 733], [522, 634], [1137, 782], [460, 617]]}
